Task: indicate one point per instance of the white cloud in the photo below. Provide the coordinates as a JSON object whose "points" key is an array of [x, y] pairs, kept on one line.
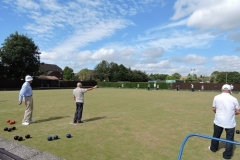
{"points": [[173, 39], [167, 26], [234, 36], [191, 59], [226, 63], [83, 36], [127, 52], [205, 14], [49, 55], [104, 54], [184, 8], [114, 55], [153, 52], [154, 67], [26, 4], [84, 56], [77, 14], [51, 5]]}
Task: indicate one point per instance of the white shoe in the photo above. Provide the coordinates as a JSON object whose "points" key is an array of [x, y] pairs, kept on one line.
{"points": [[209, 148], [73, 123], [25, 123]]}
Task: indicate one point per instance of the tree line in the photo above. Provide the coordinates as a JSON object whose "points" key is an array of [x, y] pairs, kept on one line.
{"points": [[113, 72], [225, 77], [19, 56]]}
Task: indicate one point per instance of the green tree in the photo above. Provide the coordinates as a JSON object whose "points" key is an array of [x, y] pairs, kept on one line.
{"points": [[139, 76], [169, 78], [176, 75], [151, 77], [123, 73], [161, 77], [84, 74], [19, 57], [2, 75], [233, 77], [75, 77], [228, 77], [68, 73], [213, 77], [191, 78], [215, 73], [102, 71], [114, 72], [221, 77]]}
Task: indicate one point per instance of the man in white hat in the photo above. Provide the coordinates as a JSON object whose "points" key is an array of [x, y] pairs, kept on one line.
{"points": [[26, 93], [225, 107]]}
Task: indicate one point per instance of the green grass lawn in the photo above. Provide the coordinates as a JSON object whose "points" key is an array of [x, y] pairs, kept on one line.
{"points": [[132, 124]]}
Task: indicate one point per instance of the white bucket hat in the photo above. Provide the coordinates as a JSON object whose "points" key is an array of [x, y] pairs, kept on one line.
{"points": [[226, 87], [28, 78]]}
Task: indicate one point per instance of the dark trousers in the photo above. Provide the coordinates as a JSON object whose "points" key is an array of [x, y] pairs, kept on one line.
{"points": [[227, 154], [78, 113]]}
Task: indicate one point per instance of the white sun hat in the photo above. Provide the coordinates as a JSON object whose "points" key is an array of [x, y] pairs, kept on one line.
{"points": [[226, 87], [28, 78]]}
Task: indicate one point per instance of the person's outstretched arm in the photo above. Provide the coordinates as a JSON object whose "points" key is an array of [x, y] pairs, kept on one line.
{"points": [[89, 89]]}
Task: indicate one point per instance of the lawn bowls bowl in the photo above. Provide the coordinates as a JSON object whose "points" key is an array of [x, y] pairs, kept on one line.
{"points": [[49, 138], [8, 120], [55, 137], [9, 130], [16, 137], [27, 136], [13, 128], [20, 138], [5, 129], [237, 132], [68, 135], [12, 122]]}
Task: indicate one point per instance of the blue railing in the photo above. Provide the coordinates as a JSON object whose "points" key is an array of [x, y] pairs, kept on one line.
{"points": [[203, 136]]}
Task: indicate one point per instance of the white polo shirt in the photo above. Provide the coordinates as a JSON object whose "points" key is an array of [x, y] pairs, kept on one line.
{"points": [[79, 94], [225, 105]]}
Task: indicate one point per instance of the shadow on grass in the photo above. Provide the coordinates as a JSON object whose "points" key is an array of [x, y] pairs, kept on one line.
{"points": [[51, 119], [94, 119], [4, 101], [222, 145]]}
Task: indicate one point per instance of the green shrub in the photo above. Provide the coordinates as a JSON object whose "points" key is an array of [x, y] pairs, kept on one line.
{"points": [[141, 85]]}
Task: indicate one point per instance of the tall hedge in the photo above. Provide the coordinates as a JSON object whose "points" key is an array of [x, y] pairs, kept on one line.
{"points": [[142, 85]]}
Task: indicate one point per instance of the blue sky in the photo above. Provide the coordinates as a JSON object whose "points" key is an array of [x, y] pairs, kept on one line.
{"points": [[155, 36]]}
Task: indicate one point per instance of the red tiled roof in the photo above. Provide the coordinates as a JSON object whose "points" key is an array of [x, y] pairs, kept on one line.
{"points": [[47, 77], [50, 67]]}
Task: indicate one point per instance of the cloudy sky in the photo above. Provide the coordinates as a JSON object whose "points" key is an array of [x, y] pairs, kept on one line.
{"points": [[155, 36]]}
